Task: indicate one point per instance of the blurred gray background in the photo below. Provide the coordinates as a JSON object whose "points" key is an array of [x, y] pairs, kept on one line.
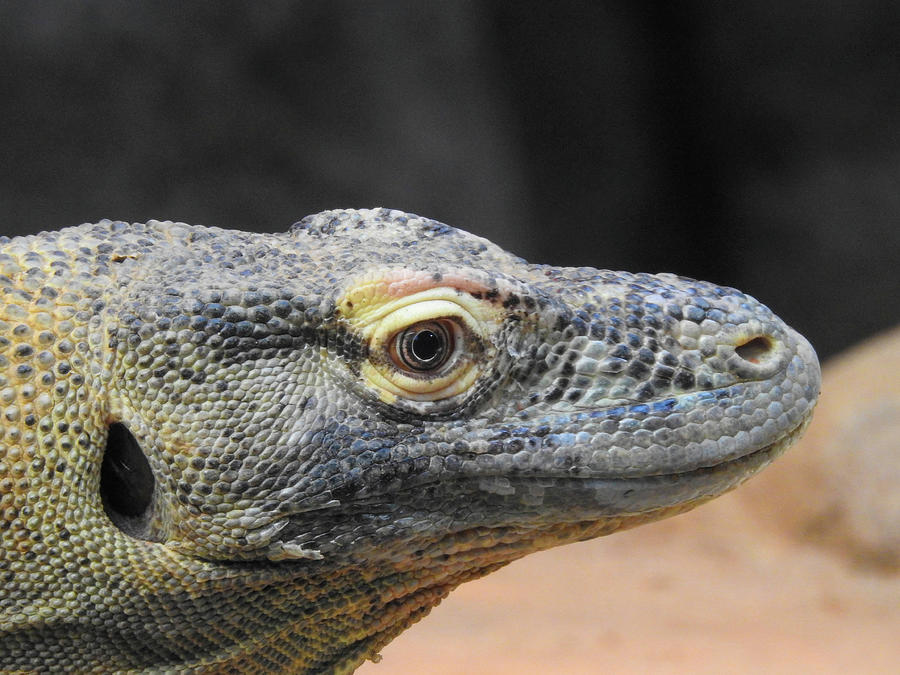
{"points": [[754, 146]]}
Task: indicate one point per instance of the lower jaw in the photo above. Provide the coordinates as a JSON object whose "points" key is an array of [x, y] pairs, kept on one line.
{"points": [[567, 514]]}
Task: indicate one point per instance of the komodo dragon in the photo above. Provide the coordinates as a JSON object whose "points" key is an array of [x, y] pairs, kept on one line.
{"points": [[247, 453]]}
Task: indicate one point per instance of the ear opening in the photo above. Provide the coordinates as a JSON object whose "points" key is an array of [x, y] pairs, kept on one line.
{"points": [[127, 483]]}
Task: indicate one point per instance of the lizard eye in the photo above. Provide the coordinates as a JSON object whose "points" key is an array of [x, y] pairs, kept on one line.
{"points": [[425, 349], [424, 346], [428, 359]]}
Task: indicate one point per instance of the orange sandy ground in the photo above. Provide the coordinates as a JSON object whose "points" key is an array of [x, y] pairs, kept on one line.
{"points": [[702, 593]]}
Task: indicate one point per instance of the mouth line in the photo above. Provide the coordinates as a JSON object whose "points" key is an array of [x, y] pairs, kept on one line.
{"points": [[774, 448], [731, 470], [712, 479], [758, 457], [769, 452]]}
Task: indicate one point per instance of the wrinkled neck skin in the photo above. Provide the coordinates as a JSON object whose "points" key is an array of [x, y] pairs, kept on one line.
{"points": [[306, 497]]}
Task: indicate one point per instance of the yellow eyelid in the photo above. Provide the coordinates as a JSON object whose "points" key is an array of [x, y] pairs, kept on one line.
{"points": [[433, 390], [364, 312], [410, 315]]}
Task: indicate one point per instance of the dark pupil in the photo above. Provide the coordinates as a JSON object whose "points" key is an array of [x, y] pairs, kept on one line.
{"points": [[426, 346]]}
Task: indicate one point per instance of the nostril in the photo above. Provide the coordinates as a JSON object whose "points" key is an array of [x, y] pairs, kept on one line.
{"points": [[755, 350]]}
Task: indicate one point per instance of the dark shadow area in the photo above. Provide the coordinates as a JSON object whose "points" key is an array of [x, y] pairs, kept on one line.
{"points": [[754, 146]]}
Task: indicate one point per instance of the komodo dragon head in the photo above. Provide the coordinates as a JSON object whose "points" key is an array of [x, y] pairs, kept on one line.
{"points": [[234, 452]]}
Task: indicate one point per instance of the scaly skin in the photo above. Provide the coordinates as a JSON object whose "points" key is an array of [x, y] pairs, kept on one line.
{"points": [[340, 424]]}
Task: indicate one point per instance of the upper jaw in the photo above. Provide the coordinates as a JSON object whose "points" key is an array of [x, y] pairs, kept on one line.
{"points": [[674, 434]]}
